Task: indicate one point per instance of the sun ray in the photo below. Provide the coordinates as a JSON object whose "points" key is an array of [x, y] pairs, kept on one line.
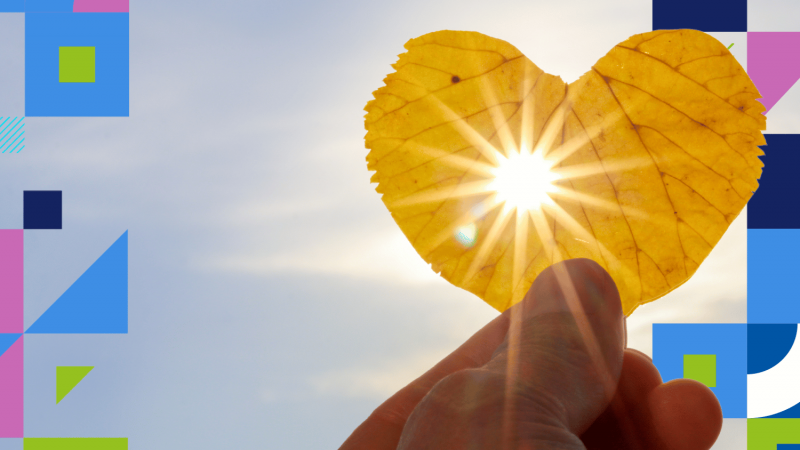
{"points": [[545, 234], [596, 168], [455, 160], [528, 113], [502, 130], [598, 202], [432, 194], [479, 142], [609, 260], [476, 212], [552, 130], [572, 145], [520, 248], [487, 244]]}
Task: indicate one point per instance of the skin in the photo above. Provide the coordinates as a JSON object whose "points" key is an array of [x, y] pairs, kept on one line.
{"points": [[552, 372]]}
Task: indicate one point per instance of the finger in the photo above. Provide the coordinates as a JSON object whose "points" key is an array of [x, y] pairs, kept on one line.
{"points": [[649, 415], [382, 429], [620, 427], [565, 346], [686, 415]]}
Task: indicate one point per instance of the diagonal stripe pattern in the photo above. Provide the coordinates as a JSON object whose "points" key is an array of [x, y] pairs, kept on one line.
{"points": [[12, 134]]}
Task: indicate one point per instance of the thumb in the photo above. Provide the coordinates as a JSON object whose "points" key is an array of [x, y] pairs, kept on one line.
{"points": [[562, 356]]}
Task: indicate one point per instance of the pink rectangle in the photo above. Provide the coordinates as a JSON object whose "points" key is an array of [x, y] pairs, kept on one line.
{"points": [[11, 282], [100, 6], [11, 391]]}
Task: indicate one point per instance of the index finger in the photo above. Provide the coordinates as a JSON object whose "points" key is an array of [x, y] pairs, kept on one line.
{"points": [[382, 429]]}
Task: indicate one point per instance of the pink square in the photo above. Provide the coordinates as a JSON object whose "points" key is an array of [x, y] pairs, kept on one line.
{"points": [[100, 6]]}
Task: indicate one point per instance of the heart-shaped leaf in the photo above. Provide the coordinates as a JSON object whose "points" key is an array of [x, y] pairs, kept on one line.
{"points": [[495, 170]]}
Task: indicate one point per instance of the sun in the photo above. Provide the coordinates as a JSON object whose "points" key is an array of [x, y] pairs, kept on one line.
{"points": [[523, 181]]}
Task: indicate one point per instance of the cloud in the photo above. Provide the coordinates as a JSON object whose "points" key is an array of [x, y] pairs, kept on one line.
{"points": [[384, 255], [375, 380]]}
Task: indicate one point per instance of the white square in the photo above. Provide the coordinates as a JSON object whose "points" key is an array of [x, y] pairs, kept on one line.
{"points": [[773, 15]]}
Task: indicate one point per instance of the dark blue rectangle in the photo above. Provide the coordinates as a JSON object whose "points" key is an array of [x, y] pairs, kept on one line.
{"points": [[7, 6], [41, 210], [703, 15], [788, 446], [774, 205]]}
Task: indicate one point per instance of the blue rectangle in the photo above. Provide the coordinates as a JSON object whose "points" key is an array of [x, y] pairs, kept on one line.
{"points": [[772, 271], [788, 446], [49, 5], [7, 6], [728, 341], [703, 15], [45, 96]]}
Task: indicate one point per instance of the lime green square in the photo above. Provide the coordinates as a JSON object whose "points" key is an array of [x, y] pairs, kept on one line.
{"points": [[702, 368], [76, 64]]}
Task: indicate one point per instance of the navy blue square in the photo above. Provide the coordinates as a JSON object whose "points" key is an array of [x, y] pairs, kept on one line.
{"points": [[42, 210], [774, 204], [703, 15]]}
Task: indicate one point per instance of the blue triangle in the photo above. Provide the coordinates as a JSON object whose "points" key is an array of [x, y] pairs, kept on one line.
{"points": [[97, 302], [7, 340]]}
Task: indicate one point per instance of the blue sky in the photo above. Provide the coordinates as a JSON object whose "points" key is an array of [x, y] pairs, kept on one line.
{"points": [[273, 301]]}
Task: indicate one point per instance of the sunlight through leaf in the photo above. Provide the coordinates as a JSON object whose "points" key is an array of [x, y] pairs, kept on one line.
{"points": [[495, 170]]}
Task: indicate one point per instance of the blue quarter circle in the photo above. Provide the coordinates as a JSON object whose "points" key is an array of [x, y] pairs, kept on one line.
{"points": [[768, 344]]}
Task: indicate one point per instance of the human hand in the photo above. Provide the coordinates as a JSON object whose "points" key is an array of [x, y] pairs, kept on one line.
{"points": [[552, 372]]}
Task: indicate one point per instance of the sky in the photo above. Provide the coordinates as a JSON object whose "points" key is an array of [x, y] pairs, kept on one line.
{"points": [[273, 302]]}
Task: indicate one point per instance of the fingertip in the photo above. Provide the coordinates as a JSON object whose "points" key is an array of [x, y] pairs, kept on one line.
{"points": [[593, 284], [686, 415], [639, 376]]}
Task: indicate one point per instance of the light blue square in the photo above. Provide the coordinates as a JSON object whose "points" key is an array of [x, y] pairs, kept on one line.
{"points": [[772, 271], [728, 341], [11, 444]]}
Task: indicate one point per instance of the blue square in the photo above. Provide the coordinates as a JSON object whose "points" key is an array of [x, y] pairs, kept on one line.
{"points": [[771, 274], [8, 6], [41, 210], [703, 15], [768, 208], [726, 340], [49, 5], [107, 96]]}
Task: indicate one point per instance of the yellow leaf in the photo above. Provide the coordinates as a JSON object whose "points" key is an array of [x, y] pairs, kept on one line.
{"points": [[494, 170]]}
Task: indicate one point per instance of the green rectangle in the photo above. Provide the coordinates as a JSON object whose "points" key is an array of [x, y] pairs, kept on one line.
{"points": [[765, 434], [75, 444], [76, 64], [702, 368]]}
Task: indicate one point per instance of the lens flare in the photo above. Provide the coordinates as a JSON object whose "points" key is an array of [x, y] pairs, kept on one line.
{"points": [[466, 235], [523, 181]]}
